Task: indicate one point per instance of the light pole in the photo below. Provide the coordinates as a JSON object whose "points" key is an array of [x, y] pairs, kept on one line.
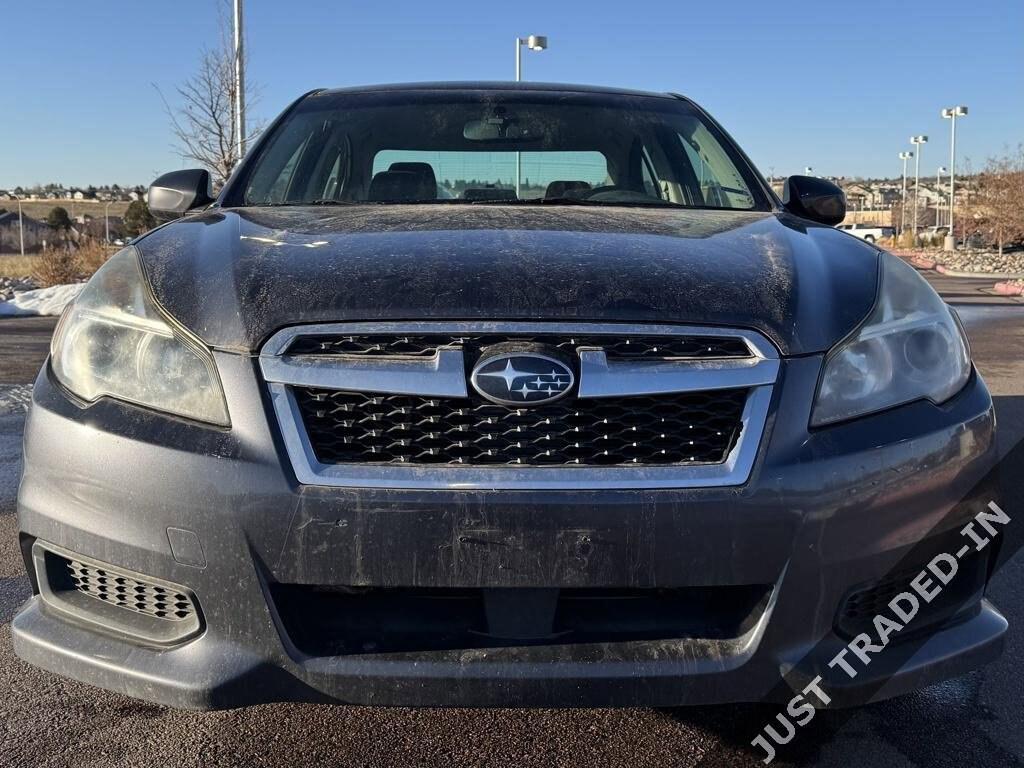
{"points": [[951, 114], [239, 106], [106, 220], [938, 195], [21, 229], [534, 43], [917, 141], [904, 156]]}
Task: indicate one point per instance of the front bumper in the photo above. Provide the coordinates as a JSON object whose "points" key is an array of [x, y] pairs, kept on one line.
{"points": [[823, 512]]}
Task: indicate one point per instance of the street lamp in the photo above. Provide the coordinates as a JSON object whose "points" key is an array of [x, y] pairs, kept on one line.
{"points": [[239, 72], [904, 156], [21, 229], [106, 219], [917, 141], [938, 194], [951, 114], [534, 43]]}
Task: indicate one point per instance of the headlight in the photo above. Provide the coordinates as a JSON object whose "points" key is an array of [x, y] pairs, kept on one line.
{"points": [[909, 348], [114, 341]]}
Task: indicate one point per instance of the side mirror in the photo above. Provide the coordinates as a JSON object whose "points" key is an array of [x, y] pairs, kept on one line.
{"points": [[177, 192], [812, 198]]}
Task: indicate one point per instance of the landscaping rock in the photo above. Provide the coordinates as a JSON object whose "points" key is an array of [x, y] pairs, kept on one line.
{"points": [[11, 285], [979, 261]]}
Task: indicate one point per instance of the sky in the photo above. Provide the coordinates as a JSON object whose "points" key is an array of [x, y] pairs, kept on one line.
{"points": [[837, 86]]}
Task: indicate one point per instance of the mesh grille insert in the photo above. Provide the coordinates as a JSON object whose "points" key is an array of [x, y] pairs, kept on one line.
{"points": [[863, 603], [632, 347], [690, 428], [867, 603], [123, 591]]}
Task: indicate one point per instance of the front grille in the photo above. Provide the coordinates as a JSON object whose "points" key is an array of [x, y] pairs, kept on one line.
{"points": [[617, 347], [123, 591], [690, 428]]}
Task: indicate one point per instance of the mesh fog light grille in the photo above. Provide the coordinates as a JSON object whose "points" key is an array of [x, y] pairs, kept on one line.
{"points": [[126, 592], [129, 605]]}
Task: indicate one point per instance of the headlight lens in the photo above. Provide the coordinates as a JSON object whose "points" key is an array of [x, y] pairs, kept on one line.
{"points": [[114, 341], [909, 348]]}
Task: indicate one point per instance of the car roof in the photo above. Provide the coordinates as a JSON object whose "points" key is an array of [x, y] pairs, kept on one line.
{"points": [[496, 85]]}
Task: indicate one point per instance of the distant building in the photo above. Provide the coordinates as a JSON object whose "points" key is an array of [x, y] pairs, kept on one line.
{"points": [[931, 197], [37, 233], [96, 228], [871, 195], [858, 195]]}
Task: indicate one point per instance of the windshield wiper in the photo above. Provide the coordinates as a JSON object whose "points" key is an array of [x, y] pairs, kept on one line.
{"points": [[301, 203], [548, 201], [620, 203]]}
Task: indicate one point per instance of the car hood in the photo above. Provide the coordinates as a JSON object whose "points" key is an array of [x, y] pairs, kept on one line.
{"points": [[234, 276]]}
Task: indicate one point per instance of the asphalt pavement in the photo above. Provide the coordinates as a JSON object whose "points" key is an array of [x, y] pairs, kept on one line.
{"points": [[48, 721], [970, 290]]}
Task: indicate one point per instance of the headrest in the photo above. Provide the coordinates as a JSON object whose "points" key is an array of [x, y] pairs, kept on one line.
{"points": [[425, 173], [559, 188], [395, 187]]}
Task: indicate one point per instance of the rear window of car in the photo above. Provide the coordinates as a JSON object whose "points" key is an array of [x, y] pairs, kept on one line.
{"points": [[455, 171], [456, 147]]}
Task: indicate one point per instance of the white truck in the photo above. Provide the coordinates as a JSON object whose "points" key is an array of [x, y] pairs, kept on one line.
{"points": [[868, 232]]}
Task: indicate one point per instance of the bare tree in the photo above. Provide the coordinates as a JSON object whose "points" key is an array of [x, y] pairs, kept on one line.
{"points": [[204, 123], [998, 206]]}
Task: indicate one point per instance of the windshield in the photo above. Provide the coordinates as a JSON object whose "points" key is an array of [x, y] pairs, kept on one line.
{"points": [[495, 146]]}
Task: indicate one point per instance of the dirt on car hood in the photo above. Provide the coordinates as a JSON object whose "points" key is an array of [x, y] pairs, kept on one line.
{"points": [[234, 276]]}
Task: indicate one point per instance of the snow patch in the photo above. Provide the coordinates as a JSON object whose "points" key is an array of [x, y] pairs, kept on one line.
{"points": [[43, 301], [14, 398]]}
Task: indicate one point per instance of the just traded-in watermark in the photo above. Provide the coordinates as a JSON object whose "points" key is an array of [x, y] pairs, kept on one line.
{"points": [[856, 655]]}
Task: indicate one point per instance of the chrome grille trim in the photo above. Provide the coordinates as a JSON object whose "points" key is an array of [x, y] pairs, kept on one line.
{"points": [[278, 343], [601, 378], [443, 374]]}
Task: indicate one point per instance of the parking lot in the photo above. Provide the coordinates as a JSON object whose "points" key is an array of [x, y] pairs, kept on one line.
{"points": [[49, 721]]}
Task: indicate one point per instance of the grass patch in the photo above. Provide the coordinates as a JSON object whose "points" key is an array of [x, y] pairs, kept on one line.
{"points": [[18, 266], [55, 266], [40, 209]]}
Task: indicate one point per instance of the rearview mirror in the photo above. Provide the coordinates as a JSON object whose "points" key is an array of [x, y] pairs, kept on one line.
{"points": [[815, 199], [497, 128], [177, 192]]}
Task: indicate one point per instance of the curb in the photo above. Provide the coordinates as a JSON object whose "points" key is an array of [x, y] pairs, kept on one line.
{"points": [[942, 269], [1009, 289]]}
